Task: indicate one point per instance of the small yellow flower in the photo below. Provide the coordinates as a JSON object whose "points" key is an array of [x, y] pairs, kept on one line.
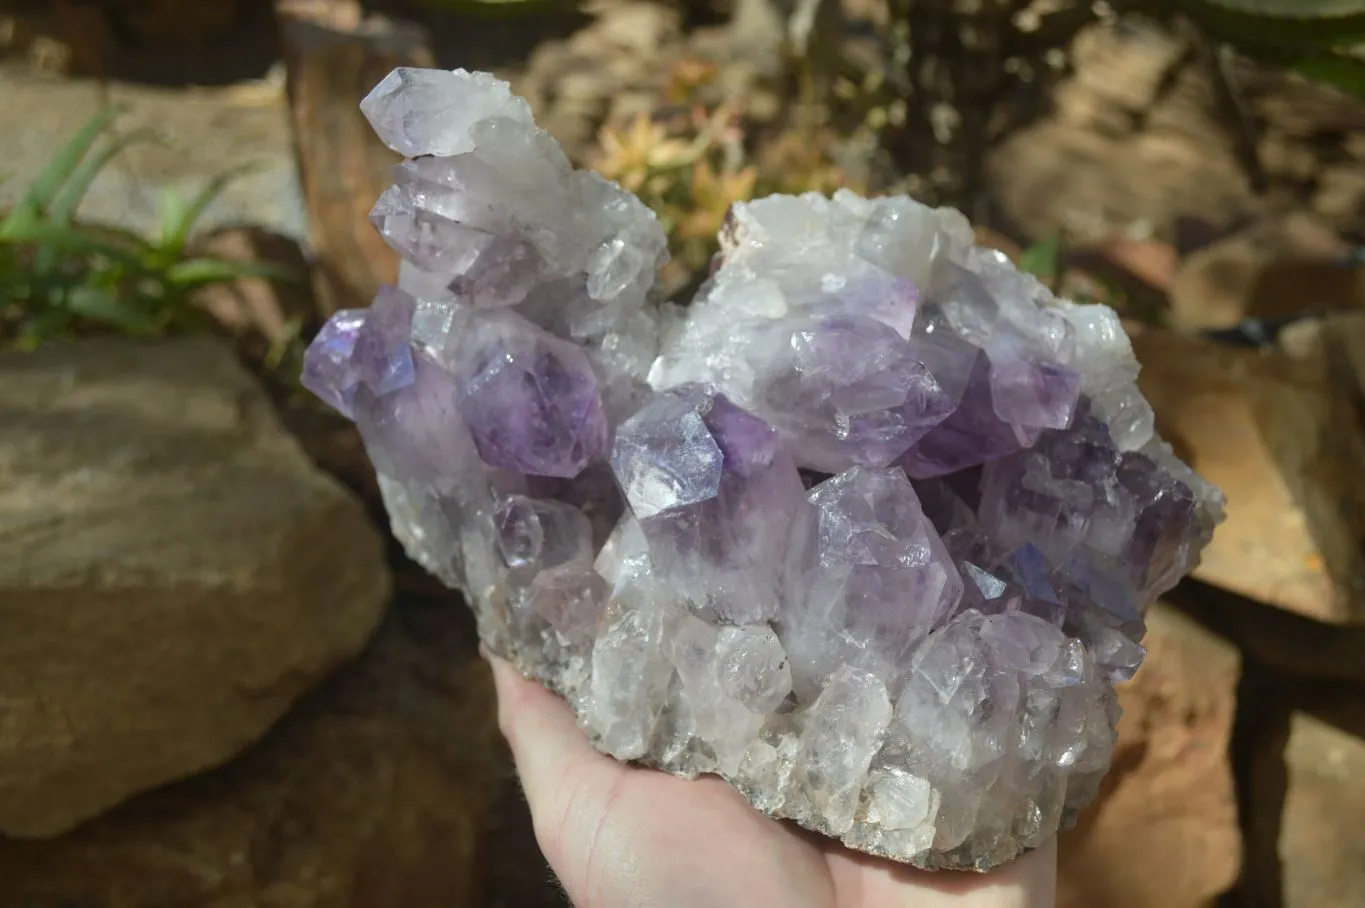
{"points": [[712, 195], [630, 155], [688, 75]]}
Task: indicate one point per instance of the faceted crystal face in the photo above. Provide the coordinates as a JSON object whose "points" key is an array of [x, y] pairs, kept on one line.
{"points": [[849, 390], [867, 529], [666, 458], [870, 579], [412, 113], [383, 346], [1000, 703], [362, 346], [714, 493], [530, 399], [973, 434], [329, 370], [416, 432]]}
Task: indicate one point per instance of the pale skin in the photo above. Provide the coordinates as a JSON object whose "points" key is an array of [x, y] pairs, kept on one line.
{"points": [[623, 837]]}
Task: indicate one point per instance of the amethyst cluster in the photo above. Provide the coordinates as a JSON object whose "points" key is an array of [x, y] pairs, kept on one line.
{"points": [[867, 529]]}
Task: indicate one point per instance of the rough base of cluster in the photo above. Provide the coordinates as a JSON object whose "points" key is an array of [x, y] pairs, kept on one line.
{"points": [[867, 529]]}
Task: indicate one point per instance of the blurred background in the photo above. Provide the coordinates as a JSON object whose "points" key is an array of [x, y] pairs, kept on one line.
{"points": [[221, 683]]}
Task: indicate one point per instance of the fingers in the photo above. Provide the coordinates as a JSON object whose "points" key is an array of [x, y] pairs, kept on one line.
{"points": [[1030, 881], [624, 837], [618, 836], [1027, 882], [569, 786], [539, 727]]}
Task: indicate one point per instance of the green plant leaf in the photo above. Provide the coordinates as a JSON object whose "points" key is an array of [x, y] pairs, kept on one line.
{"points": [[1043, 259], [71, 240], [198, 272], [1294, 9], [1346, 74], [109, 308], [178, 216], [40, 327], [1235, 22], [68, 200], [54, 176]]}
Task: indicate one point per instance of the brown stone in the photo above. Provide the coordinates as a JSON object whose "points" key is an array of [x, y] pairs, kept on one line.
{"points": [[1275, 638], [1126, 70], [387, 787], [1341, 194], [1270, 273], [267, 314], [1306, 810], [162, 23], [1163, 833], [1134, 141], [1275, 433], [174, 573]]}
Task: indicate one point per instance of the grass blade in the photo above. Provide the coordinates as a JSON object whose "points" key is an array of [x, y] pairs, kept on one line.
{"points": [[64, 206], [1346, 74], [72, 241], [1043, 259], [68, 200], [1295, 9], [58, 171], [198, 272], [108, 308], [37, 328], [1234, 22], [178, 220]]}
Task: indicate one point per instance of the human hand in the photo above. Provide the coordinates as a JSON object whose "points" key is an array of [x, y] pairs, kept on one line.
{"points": [[620, 836]]}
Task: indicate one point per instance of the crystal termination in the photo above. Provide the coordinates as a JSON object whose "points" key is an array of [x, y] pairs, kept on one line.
{"points": [[867, 529]]}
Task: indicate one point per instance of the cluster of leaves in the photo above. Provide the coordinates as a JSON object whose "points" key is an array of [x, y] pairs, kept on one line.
{"points": [[60, 278], [1321, 39], [690, 161]]}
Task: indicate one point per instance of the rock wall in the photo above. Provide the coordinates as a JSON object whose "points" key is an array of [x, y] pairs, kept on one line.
{"points": [[175, 573]]}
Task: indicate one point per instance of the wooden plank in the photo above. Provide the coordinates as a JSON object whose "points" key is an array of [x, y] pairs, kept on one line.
{"points": [[333, 57]]}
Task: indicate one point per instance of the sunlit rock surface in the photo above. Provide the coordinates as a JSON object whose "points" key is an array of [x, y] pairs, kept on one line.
{"points": [[868, 528]]}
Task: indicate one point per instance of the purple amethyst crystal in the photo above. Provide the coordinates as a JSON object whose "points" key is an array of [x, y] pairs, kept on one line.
{"points": [[849, 391], [529, 398], [329, 369], [370, 347], [714, 492], [868, 579], [868, 529]]}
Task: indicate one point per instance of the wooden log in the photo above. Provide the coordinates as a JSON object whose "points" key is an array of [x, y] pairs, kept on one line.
{"points": [[333, 57]]}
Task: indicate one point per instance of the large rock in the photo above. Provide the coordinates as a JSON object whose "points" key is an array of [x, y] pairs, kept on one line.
{"points": [[1132, 138], [1163, 833], [1274, 269], [174, 573], [1278, 639], [203, 132], [1275, 431], [1137, 138], [1306, 811], [386, 788]]}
